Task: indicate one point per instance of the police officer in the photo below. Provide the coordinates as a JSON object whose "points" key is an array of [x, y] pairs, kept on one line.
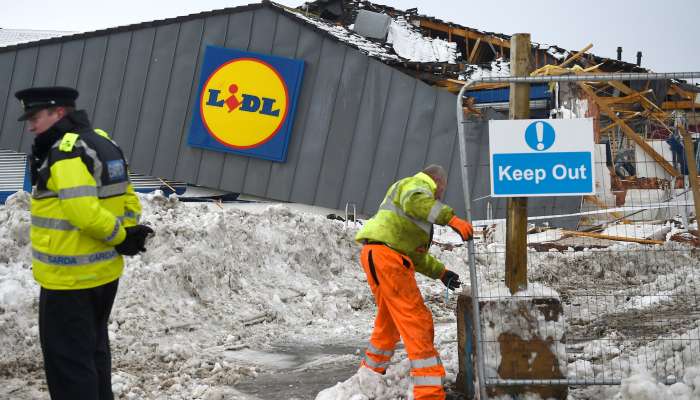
{"points": [[396, 241], [84, 218]]}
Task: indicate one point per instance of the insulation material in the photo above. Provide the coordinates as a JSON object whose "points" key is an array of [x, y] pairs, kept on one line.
{"points": [[408, 43]]}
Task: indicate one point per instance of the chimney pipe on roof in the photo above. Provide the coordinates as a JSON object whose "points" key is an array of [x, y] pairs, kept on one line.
{"points": [[639, 58], [619, 53]]}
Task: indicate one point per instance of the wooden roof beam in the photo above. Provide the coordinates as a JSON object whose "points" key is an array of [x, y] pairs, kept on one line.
{"points": [[676, 105], [494, 40], [629, 132]]}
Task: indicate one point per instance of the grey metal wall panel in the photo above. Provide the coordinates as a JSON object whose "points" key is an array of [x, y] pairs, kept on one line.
{"points": [[7, 64], [367, 132], [454, 194], [155, 97], [282, 174], [22, 77], [238, 37], [44, 75], [107, 104], [444, 132], [91, 73], [345, 117], [46, 65], [286, 44], [318, 121], [211, 162], [132, 89], [189, 158], [182, 83], [391, 139], [420, 122], [69, 63], [261, 41]]}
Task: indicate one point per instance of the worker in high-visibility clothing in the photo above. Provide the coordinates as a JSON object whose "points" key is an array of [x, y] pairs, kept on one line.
{"points": [[396, 241], [84, 218]]}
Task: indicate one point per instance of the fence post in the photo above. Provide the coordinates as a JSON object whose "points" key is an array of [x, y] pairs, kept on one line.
{"points": [[692, 171], [516, 217]]}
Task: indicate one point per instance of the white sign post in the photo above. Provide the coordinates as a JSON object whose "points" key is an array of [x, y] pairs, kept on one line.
{"points": [[552, 157]]}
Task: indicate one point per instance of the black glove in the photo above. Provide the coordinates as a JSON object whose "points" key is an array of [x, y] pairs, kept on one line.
{"points": [[135, 240], [450, 279]]}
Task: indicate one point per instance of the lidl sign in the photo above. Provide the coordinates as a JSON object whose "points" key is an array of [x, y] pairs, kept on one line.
{"points": [[551, 157], [245, 103]]}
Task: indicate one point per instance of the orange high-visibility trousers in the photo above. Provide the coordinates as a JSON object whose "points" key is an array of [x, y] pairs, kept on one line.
{"points": [[401, 313]]}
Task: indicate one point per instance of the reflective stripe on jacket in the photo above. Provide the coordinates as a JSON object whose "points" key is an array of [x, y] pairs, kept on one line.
{"points": [[405, 221], [80, 205]]}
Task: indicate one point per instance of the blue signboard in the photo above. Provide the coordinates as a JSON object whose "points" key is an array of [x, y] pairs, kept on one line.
{"points": [[246, 103], [541, 157]]}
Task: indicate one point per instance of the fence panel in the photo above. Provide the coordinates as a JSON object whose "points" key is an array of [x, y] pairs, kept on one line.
{"points": [[626, 277]]}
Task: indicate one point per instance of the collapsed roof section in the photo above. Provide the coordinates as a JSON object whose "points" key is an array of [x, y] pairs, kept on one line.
{"points": [[437, 51]]}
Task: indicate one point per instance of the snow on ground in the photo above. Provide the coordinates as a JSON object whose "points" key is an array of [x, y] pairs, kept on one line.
{"points": [[267, 302]]}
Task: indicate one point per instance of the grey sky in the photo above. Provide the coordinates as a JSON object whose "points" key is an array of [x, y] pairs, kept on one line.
{"points": [[663, 30]]}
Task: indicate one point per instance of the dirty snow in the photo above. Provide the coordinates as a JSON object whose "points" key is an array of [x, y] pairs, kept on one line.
{"points": [[267, 302]]}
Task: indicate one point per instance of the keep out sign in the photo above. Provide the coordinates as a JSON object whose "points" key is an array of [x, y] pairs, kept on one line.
{"points": [[541, 157], [245, 103]]}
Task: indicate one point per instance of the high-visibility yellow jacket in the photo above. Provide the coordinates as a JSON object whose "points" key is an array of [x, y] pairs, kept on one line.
{"points": [[405, 221], [81, 202]]}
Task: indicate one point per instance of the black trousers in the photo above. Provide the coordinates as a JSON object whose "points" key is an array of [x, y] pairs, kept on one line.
{"points": [[74, 341]]}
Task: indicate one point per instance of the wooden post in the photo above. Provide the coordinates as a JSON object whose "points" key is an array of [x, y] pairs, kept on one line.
{"points": [[516, 217], [692, 171]]}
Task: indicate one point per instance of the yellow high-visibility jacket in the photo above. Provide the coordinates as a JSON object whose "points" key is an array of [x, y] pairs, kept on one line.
{"points": [[405, 221], [81, 202]]}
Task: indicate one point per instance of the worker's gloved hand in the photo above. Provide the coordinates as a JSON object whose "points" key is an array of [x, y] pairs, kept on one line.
{"points": [[462, 227], [135, 240], [450, 279]]}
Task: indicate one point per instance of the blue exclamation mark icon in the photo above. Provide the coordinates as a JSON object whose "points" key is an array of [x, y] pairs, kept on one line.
{"points": [[539, 135]]}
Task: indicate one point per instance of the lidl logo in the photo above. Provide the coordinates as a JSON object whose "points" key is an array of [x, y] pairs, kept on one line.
{"points": [[246, 103]]}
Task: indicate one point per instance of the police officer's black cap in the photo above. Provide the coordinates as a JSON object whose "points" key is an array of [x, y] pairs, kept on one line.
{"points": [[39, 98]]}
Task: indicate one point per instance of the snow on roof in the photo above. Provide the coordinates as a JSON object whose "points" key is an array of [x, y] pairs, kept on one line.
{"points": [[498, 68], [9, 37], [371, 48], [410, 44], [404, 41]]}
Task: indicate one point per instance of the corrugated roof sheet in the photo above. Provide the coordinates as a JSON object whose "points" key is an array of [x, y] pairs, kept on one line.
{"points": [[10, 37]]}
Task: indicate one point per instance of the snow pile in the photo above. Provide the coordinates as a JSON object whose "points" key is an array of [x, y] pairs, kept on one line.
{"points": [[517, 314], [367, 384], [411, 45], [643, 386], [203, 310]]}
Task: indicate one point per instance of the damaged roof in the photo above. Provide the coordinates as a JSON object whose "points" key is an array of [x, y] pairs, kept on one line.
{"points": [[426, 47], [478, 53]]}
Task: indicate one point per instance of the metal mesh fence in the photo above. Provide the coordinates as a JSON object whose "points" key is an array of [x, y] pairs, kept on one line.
{"points": [[617, 291]]}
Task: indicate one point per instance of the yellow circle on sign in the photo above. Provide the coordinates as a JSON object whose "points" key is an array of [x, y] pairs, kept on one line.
{"points": [[244, 103]]}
